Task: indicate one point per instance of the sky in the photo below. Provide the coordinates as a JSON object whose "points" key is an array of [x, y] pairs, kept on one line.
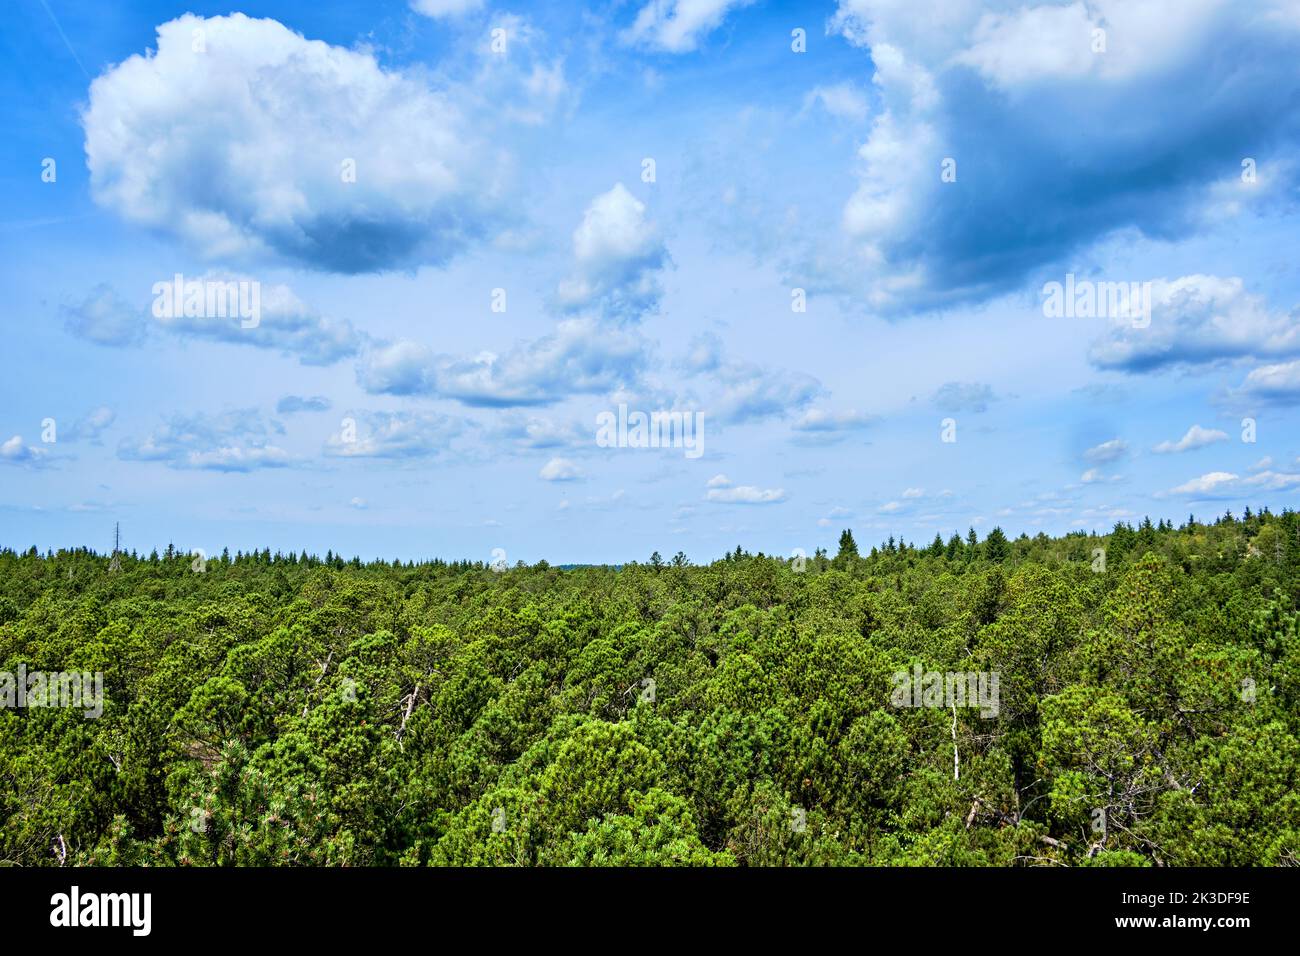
{"points": [[834, 238]]}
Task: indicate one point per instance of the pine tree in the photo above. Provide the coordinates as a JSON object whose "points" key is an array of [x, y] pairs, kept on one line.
{"points": [[848, 548], [996, 548], [954, 549]]}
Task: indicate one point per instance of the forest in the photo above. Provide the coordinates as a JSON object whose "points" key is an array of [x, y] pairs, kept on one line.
{"points": [[1134, 701]]}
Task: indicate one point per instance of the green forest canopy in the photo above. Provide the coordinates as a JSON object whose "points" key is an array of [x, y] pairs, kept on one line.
{"points": [[275, 709]]}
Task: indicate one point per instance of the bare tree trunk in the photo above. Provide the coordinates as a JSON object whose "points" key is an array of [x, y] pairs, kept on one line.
{"points": [[410, 706], [956, 767]]}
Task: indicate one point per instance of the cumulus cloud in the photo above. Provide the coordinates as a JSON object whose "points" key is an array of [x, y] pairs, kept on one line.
{"points": [[1272, 481], [232, 441], [1223, 484], [393, 435], [284, 323], [532, 432], [976, 92], [754, 393], [677, 26], [748, 392], [16, 452], [560, 469], [90, 426], [1278, 383], [104, 318], [1196, 437], [1207, 484], [580, 357], [245, 150], [721, 490], [617, 254], [1197, 320]]}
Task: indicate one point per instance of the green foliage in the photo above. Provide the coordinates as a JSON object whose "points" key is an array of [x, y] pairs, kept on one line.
{"points": [[290, 710]]}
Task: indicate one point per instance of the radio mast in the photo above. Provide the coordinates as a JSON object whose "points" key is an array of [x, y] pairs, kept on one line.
{"points": [[116, 563]]}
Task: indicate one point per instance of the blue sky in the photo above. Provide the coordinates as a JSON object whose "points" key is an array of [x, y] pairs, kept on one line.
{"points": [[917, 176]]}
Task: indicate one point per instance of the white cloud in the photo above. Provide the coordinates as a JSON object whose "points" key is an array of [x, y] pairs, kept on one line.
{"points": [[529, 432], [618, 254], [721, 490], [285, 324], [15, 451], [560, 469], [976, 91], [395, 435], [1273, 481], [105, 318], [747, 495], [581, 356], [238, 441], [1196, 437], [1207, 484], [90, 426], [1095, 476], [676, 26], [1273, 383], [1197, 320], [1107, 452], [843, 100], [1222, 484], [753, 393], [240, 150]]}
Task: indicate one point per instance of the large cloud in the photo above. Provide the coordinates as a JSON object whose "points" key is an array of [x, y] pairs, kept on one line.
{"points": [[582, 356], [239, 149], [1055, 145], [285, 324], [232, 441], [618, 254], [1197, 320], [105, 318], [394, 435], [1278, 384]]}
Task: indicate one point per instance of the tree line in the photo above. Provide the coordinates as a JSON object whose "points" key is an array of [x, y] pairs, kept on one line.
{"points": [[286, 709]]}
